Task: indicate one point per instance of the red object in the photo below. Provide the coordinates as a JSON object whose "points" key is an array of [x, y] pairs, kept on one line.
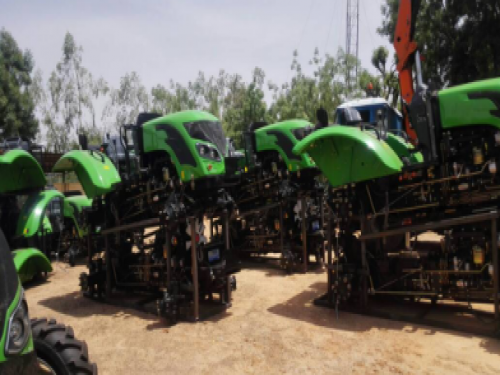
{"points": [[209, 167], [407, 221], [197, 238], [370, 86], [405, 48]]}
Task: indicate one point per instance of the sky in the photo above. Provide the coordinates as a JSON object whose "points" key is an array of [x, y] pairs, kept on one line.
{"points": [[164, 39]]}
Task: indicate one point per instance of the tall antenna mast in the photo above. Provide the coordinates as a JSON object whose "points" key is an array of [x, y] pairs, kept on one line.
{"points": [[352, 39]]}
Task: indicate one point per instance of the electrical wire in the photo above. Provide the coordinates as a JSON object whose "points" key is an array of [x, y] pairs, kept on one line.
{"points": [[330, 28], [305, 24], [311, 6], [367, 22]]}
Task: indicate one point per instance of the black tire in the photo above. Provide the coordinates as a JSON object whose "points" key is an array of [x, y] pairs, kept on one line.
{"points": [[57, 346]]}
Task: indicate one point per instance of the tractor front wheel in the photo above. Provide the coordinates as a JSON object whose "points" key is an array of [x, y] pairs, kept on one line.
{"points": [[59, 351]]}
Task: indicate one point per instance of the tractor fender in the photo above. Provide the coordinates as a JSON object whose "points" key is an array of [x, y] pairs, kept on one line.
{"points": [[347, 154], [20, 171], [403, 148], [32, 216], [95, 171], [73, 207], [30, 262]]}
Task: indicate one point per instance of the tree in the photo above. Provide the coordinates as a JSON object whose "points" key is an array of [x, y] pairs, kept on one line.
{"points": [[459, 39], [67, 106], [127, 101], [226, 96], [387, 84], [17, 105], [248, 106], [326, 88]]}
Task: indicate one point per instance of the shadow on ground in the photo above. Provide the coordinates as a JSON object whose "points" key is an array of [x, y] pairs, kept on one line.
{"points": [[274, 269], [301, 307], [76, 305]]}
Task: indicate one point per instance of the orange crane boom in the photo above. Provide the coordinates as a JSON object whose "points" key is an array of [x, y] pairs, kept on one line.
{"points": [[405, 48]]}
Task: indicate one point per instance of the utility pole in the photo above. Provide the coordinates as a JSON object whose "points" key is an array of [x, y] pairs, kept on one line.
{"points": [[352, 39]]}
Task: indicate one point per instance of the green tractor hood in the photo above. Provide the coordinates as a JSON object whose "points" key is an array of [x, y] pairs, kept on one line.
{"points": [[20, 171], [280, 137], [347, 154], [95, 171]]}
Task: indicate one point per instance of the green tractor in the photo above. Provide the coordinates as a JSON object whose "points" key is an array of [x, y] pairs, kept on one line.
{"points": [[278, 194], [38, 223], [36, 346], [388, 190], [152, 187], [22, 184]]}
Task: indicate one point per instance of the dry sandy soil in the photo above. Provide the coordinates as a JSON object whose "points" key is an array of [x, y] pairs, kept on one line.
{"points": [[273, 327]]}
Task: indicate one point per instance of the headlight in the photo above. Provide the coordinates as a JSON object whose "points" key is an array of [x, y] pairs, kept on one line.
{"points": [[208, 152], [19, 328]]}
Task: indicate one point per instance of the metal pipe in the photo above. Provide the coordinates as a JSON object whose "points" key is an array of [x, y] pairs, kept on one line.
{"points": [[108, 267], [211, 228], [89, 246], [322, 223], [329, 255], [407, 240], [228, 247], [168, 249], [418, 68], [282, 231], [194, 271], [364, 264], [445, 179], [494, 248], [304, 233]]}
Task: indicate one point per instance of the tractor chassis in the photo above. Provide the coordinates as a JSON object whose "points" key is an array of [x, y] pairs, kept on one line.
{"points": [[255, 254], [445, 316], [149, 302]]}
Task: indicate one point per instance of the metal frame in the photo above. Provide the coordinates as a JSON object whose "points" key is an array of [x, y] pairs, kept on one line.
{"points": [[492, 217], [300, 267], [225, 297]]}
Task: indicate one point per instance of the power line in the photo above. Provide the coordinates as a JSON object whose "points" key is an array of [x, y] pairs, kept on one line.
{"points": [[367, 23], [302, 33], [305, 24], [330, 28]]}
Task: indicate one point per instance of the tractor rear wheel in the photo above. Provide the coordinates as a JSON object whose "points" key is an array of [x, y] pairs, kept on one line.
{"points": [[58, 350]]}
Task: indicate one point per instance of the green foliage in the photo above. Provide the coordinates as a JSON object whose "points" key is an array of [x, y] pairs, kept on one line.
{"points": [[67, 104], [459, 39], [386, 84], [326, 88], [16, 97], [127, 101]]}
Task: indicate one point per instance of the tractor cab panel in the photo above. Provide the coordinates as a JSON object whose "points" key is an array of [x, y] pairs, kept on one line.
{"points": [[192, 142], [282, 137]]}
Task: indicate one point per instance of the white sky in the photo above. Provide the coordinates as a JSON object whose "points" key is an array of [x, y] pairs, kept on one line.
{"points": [[163, 40]]}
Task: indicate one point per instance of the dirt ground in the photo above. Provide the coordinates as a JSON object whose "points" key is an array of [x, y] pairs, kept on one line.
{"points": [[273, 327]]}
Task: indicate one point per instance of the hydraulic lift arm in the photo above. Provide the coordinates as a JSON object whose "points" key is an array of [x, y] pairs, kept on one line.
{"points": [[405, 48]]}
